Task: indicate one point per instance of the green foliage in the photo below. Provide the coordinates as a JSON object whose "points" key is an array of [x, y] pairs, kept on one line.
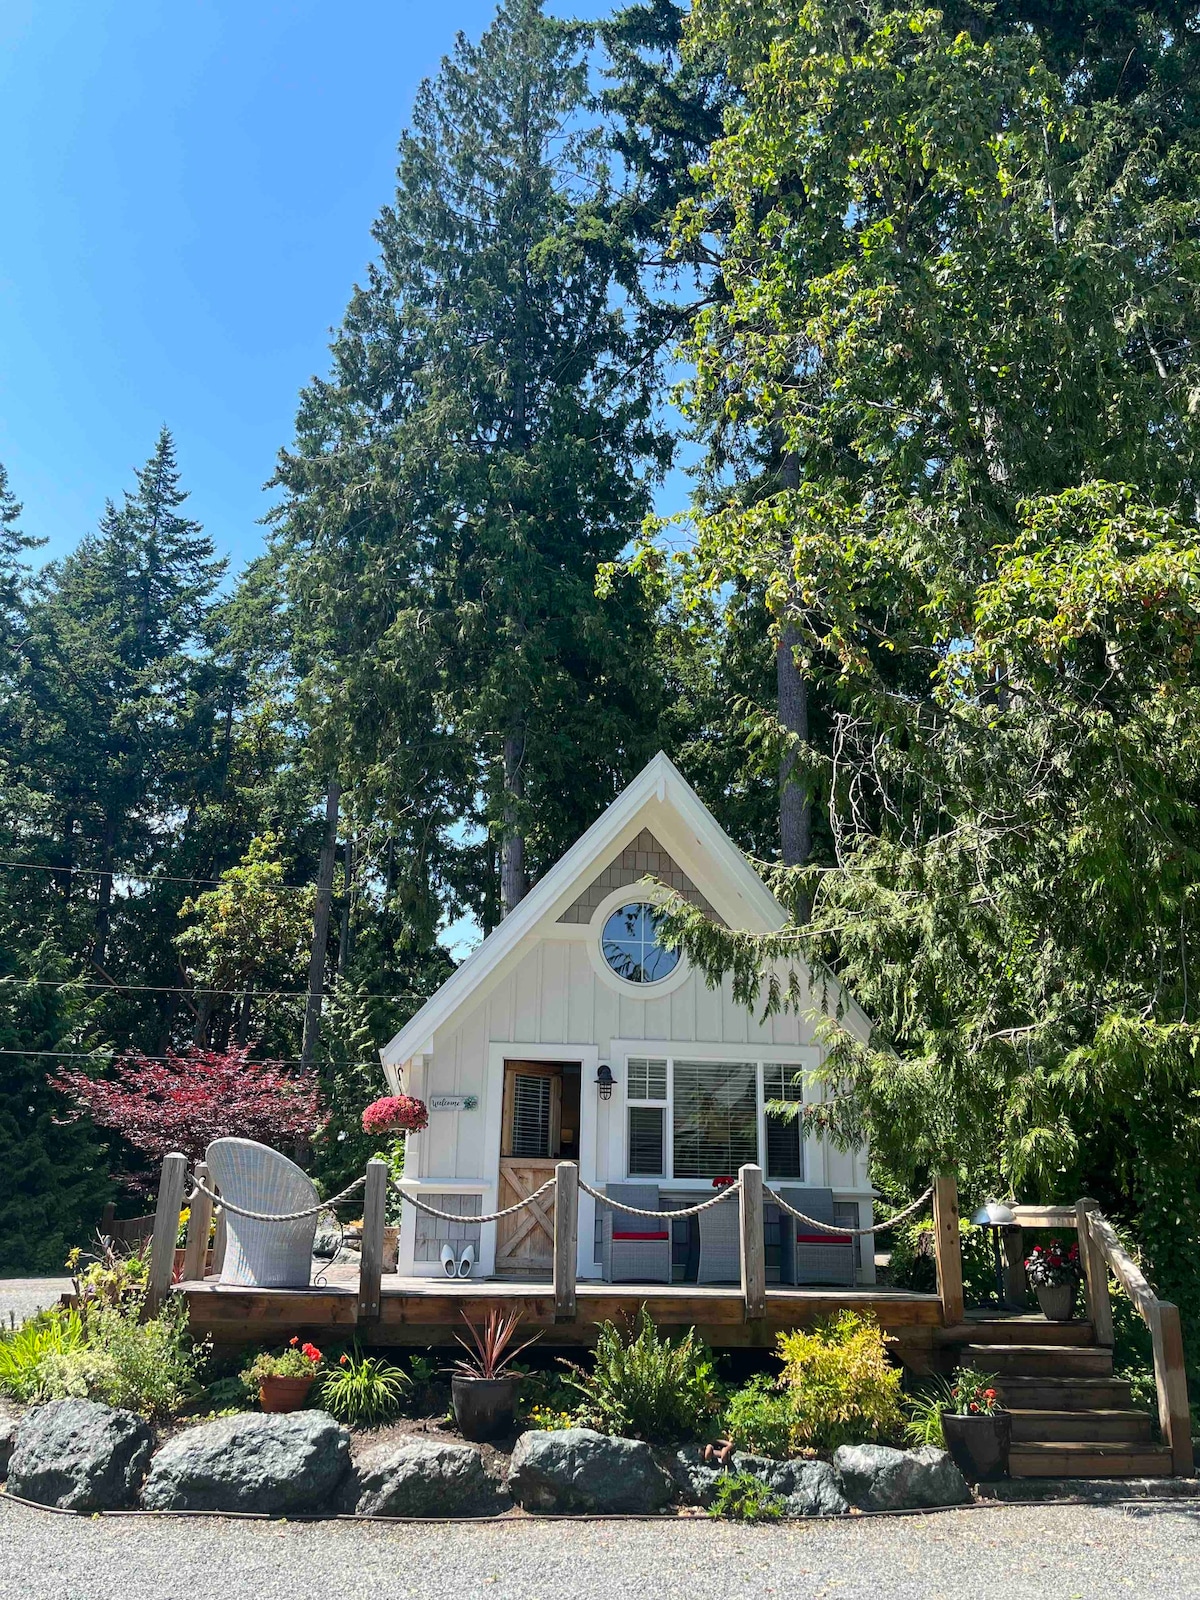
{"points": [[914, 1263], [759, 1418], [363, 1391], [24, 1352], [150, 1366], [741, 1497], [648, 1387], [229, 1394], [842, 1388], [923, 1413]]}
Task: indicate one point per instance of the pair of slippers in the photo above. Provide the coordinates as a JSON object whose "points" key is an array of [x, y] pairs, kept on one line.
{"points": [[460, 1266]]}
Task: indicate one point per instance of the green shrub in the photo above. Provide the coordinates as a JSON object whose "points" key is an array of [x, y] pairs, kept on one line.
{"points": [[25, 1350], [842, 1387], [914, 1261], [646, 1387], [149, 1366], [745, 1498], [758, 1419], [365, 1390]]}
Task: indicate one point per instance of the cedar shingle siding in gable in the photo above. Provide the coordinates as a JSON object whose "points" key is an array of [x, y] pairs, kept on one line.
{"points": [[643, 856]]}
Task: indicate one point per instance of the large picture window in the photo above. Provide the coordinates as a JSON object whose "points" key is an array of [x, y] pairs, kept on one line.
{"points": [[695, 1120]]}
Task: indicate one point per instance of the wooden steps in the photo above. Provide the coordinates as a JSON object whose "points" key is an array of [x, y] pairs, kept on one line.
{"points": [[1070, 1417], [1090, 1427], [1082, 1459], [1063, 1394], [1036, 1360]]}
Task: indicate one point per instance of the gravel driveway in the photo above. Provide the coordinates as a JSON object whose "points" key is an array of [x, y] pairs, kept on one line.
{"points": [[22, 1297], [1009, 1553]]}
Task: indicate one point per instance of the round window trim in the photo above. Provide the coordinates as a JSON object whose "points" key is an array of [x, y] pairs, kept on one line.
{"points": [[629, 946]]}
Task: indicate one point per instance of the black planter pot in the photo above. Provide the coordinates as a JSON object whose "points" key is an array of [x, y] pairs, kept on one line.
{"points": [[979, 1445], [483, 1407]]}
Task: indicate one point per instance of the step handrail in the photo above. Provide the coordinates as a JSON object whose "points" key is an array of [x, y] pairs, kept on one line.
{"points": [[1102, 1253]]}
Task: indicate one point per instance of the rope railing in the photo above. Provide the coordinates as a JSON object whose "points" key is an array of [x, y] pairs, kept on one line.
{"points": [[858, 1233], [458, 1216], [281, 1216], [727, 1191]]}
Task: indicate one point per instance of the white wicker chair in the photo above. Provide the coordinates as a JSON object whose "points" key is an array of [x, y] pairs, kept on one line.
{"points": [[720, 1244], [269, 1255]]}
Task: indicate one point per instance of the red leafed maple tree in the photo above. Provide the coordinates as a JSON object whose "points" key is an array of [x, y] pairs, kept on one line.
{"points": [[192, 1097]]}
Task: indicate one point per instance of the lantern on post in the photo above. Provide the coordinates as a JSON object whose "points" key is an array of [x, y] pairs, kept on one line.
{"points": [[995, 1217]]}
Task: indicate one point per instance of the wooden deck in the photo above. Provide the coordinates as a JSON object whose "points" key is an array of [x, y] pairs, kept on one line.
{"points": [[428, 1311]]}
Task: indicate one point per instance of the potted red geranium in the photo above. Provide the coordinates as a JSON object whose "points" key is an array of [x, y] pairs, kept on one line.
{"points": [[1053, 1271], [283, 1381], [977, 1430]]}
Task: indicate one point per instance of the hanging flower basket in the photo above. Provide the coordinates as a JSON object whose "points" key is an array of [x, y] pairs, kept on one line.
{"points": [[396, 1113]]}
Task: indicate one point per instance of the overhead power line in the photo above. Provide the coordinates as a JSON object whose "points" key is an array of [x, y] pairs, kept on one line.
{"points": [[200, 993], [100, 1050], [134, 877]]}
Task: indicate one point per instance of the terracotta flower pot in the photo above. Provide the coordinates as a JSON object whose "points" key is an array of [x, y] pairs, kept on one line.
{"points": [[1057, 1301], [284, 1394], [979, 1444], [483, 1407]]}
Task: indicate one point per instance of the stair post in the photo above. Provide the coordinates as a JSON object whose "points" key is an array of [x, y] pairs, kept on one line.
{"points": [[1095, 1274], [948, 1247]]}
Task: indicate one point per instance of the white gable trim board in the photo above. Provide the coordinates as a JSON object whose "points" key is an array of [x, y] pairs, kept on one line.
{"points": [[539, 990]]}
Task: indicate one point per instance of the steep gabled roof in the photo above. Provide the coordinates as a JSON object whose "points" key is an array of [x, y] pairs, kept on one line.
{"points": [[659, 798]]}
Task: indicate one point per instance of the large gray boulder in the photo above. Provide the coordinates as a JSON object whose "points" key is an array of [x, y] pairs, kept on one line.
{"points": [[807, 1488], [8, 1443], [79, 1455], [576, 1469], [422, 1478], [876, 1478], [269, 1463]]}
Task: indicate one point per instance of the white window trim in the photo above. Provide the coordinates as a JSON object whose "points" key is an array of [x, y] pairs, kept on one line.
{"points": [[631, 894], [805, 1058]]}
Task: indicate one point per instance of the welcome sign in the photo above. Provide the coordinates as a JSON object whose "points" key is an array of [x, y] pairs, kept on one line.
{"points": [[453, 1102]]}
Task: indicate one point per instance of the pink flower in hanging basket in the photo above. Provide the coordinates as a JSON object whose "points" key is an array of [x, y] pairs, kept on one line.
{"points": [[396, 1113]]}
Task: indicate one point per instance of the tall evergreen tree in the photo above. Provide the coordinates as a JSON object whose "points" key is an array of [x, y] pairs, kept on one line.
{"points": [[481, 447]]}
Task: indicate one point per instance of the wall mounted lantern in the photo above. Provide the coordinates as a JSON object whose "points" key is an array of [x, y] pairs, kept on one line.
{"points": [[604, 1080]]}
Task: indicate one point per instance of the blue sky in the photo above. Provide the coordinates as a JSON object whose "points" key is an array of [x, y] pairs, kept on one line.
{"points": [[187, 197]]}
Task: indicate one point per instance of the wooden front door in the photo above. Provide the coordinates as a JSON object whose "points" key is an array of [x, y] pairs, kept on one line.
{"points": [[530, 1146]]}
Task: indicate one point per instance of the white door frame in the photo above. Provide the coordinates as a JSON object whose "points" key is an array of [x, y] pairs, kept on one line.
{"points": [[588, 1057]]}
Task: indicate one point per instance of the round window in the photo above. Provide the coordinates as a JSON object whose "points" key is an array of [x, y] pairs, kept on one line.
{"points": [[631, 947]]}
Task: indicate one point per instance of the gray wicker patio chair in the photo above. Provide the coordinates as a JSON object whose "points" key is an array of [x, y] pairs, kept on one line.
{"points": [[634, 1249], [808, 1255], [269, 1255], [720, 1244]]}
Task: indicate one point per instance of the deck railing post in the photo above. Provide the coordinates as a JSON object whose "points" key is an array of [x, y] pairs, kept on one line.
{"points": [[107, 1218], [948, 1247], [1174, 1414], [195, 1251], [374, 1213], [566, 1239], [166, 1230], [220, 1241], [1095, 1274], [754, 1252]]}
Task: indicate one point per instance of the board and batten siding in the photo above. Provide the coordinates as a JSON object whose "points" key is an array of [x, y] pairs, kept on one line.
{"points": [[552, 994]]}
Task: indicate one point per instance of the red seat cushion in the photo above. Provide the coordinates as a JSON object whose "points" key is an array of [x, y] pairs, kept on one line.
{"points": [[824, 1238], [622, 1234]]}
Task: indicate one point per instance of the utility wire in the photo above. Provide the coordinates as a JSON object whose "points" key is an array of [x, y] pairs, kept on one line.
{"points": [[101, 1049], [161, 988], [133, 877]]}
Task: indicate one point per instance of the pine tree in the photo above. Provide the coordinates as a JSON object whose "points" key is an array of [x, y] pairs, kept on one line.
{"points": [[481, 448]]}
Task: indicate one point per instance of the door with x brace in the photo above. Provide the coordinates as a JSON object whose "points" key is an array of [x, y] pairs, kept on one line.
{"points": [[529, 1148]]}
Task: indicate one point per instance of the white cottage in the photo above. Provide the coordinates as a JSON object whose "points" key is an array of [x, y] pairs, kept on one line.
{"points": [[571, 1033]]}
